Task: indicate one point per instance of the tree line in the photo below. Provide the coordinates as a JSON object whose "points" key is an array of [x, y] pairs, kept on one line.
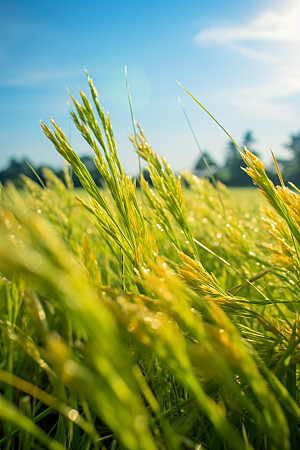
{"points": [[229, 172], [25, 167]]}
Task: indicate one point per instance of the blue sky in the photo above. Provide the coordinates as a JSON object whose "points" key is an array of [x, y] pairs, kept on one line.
{"points": [[240, 59]]}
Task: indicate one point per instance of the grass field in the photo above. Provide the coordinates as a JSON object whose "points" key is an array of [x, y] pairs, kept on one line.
{"points": [[166, 319], [248, 195]]}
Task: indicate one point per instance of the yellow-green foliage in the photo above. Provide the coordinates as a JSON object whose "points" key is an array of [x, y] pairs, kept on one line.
{"points": [[168, 325]]}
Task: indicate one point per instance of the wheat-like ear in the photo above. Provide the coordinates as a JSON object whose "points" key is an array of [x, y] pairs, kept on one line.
{"points": [[130, 232], [161, 218], [167, 185], [277, 169], [255, 169]]}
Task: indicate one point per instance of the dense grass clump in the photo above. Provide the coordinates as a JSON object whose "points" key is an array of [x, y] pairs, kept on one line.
{"points": [[167, 320]]}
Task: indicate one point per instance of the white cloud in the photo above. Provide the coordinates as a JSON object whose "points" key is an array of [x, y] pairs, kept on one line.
{"points": [[30, 78], [270, 26], [273, 40]]}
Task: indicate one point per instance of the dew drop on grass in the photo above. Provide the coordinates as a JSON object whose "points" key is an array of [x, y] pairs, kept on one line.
{"points": [[73, 414], [141, 422], [42, 314], [156, 323], [70, 367], [12, 336]]}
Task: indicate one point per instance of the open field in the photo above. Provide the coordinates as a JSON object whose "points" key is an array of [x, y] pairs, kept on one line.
{"points": [[248, 195], [163, 319]]}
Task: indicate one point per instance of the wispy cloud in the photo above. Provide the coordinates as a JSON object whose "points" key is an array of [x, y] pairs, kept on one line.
{"points": [[273, 40], [30, 78], [270, 26]]}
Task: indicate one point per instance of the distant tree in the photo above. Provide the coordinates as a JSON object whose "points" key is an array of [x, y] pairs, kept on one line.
{"points": [[291, 168], [231, 173], [294, 145], [201, 166], [16, 168], [249, 140], [232, 157], [147, 177], [88, 161]]}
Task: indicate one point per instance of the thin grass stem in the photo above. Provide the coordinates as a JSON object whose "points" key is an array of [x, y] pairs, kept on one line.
{"points": [[203, 157], [134, 131]]}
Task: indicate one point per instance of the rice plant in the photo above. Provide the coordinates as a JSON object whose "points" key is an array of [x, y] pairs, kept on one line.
{"points": [[168, 325]]}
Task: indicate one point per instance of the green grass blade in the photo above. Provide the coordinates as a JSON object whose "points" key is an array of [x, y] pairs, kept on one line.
{"points": [[9, 413], [203, 157], [207, 112], [134, 130]]}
